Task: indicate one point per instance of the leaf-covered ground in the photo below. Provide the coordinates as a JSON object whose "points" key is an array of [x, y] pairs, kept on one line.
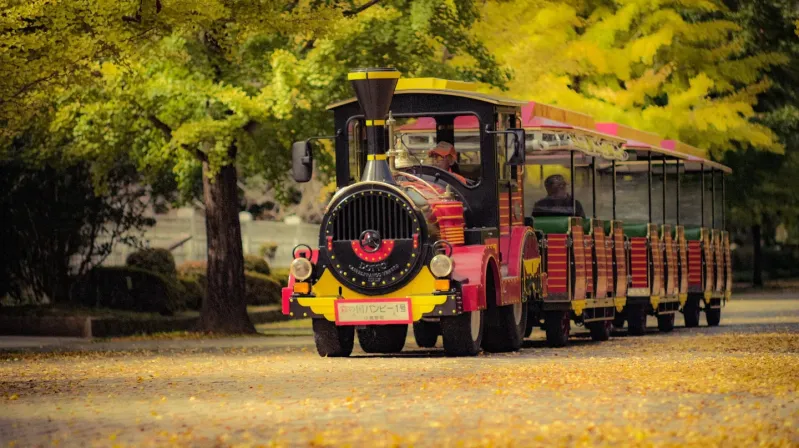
{"points": [[735, 385]]}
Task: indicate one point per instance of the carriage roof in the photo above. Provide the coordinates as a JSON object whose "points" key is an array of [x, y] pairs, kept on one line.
{"points": [[692, 158]]}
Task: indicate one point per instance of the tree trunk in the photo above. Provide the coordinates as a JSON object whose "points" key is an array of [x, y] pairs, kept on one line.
{"points": [[224, 309], [757, 262]]}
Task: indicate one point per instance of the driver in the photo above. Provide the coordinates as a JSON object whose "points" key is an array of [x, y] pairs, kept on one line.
{"points": [[444, 157]]}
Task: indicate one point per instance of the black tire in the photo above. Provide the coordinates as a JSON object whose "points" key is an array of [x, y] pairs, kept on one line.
{"points": [[504, 328], [690, 312], [426, 333], [618, 320], [636, 320], [383, 338], [532, 321], [713, 316], [332, 340], [600, 331], [558, 327], [459, 339], [666, 322]]}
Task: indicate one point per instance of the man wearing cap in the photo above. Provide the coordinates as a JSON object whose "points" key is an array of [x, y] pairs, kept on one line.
{"points": [[444, 157]]}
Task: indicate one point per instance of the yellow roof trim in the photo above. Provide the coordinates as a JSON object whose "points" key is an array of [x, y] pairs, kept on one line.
{"points": [[377, 74], [436, 84]]}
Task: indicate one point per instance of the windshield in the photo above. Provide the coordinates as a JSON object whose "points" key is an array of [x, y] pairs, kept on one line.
{"points": [[449, 143]]}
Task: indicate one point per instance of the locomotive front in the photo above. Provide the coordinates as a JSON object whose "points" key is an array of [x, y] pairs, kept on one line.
{"points": [[380, 265]]}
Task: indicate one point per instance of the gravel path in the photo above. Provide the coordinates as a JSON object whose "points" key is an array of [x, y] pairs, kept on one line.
{"points": [[735, 385]]}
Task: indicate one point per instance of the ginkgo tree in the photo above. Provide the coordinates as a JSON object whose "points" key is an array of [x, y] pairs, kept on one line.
{"points": [[226, 86], [677, 68], [720, 75]]}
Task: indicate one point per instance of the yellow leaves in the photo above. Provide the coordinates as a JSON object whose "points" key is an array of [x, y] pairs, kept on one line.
{"points": [[644, 49], [13, 397], [631, 57]]}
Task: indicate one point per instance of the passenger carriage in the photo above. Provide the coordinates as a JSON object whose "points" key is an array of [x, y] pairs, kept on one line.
{"points": [[673, 266], [578, 268], [456, 253]]}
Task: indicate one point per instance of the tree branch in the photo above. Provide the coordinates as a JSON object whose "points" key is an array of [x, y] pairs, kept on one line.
{"points": [[358, 10], [250, 126], [161, 126]]}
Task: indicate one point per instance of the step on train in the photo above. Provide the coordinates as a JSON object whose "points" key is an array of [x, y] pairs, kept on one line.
{"points": [[479, 218]]}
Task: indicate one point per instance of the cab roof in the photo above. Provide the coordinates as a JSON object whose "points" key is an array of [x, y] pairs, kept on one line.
{"points": [[437, 86]]}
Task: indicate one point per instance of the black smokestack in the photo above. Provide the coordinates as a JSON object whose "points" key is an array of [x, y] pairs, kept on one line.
{"points": [[374, 88]]}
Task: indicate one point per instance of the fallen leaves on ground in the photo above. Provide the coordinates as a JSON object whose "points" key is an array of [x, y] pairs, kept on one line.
{"points": [[690, 388]]}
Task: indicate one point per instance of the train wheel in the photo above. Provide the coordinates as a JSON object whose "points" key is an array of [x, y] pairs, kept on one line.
{"points": [[666, 322], [532, 320], [463, 333], [426, 333], [600, 331], [691, 313], [618, 320], [332, 340], [383, 338], [505, 326], [636, 320], [713, 316], [558, 327]]}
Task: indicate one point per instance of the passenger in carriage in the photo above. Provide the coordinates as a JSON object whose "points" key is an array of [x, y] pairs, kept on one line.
{"points": [[558, 201], [445, 157]]}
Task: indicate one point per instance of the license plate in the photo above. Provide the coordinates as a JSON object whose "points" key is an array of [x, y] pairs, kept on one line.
{"points": [[373, 312]]}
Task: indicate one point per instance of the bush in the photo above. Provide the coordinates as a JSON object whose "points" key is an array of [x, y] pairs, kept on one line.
{"points": [[160, 261], [778, 262], [129, 288], [259, 289], [53, 219], [268, 250], [281, 275], [194, 291], [256, 264], [193, 268]]}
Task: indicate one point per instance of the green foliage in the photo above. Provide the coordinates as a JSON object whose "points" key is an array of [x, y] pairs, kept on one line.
{"points": [[177, 83], [56, 228], [261, 289], [256, 264], [156, 260], [194, 291], [778, 263], [282, 276], [268, 249], [129, 288], [766, 190], [193, 268]]}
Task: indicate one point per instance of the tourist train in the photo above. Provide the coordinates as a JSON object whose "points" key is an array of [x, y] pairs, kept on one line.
{"points": [[479, 218]]}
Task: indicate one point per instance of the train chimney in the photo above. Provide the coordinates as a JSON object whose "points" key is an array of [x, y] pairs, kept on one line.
{"points": [[374, 88]]}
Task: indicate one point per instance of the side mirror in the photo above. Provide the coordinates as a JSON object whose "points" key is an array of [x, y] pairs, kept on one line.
{"points": [[301, 161], [516, 157]]}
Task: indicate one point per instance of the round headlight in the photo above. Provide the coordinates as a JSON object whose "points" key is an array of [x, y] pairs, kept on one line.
{"points": [[301, 269], [441, 265]]}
